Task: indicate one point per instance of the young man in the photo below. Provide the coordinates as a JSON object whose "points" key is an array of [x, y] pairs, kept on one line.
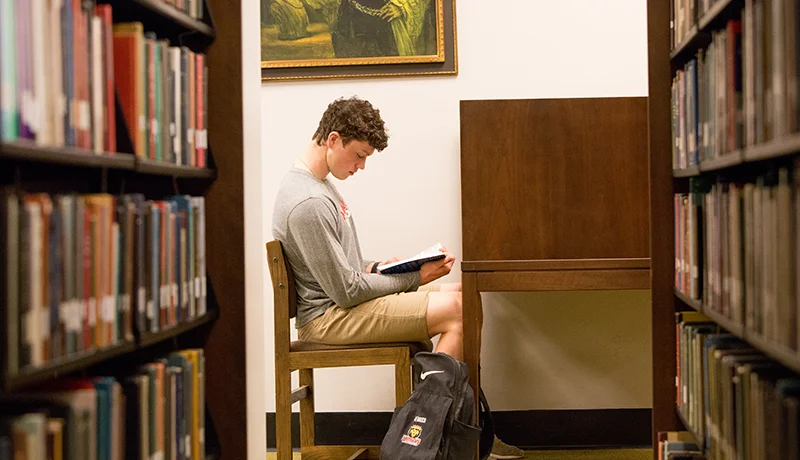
{"points": [[342, 298]]}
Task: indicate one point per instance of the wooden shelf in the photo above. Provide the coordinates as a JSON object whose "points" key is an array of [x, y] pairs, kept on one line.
{"points": [[774, 149], [690, 302], [28, 151], [161, 168], [150, 338], [713, 13], [691, 171], [697, 439], [31, 376], [80, 361], [699, 34], [177, 16], [723, 161], [785, 356], [778, 148], [727, 324], [689, 43]]}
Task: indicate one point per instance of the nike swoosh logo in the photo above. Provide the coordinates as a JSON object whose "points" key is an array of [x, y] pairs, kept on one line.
{"points": [[425, 374]]}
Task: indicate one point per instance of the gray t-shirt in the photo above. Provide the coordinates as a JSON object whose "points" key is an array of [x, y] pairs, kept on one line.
{"points": [[319, 237]]}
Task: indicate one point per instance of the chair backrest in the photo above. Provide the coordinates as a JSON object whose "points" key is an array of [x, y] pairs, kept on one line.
{"points": [[285, 296]]}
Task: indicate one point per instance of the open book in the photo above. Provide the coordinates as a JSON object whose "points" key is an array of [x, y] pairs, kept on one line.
{"points": [[414, 263]]}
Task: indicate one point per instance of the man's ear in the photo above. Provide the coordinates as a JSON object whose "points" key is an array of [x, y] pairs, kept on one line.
{"points": [[332, 138]]}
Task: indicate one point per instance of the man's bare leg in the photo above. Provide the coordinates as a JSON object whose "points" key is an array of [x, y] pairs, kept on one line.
{"points": [[444, 317]]}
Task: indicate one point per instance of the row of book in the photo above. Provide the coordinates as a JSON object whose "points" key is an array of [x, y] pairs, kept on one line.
{"points": [[738, 402], [706, 102], [83, 272], [65, 62], [736, 249], [685, 18], [742, 90], [163, 90], [57, 74], [157, 412], [194, 8]]}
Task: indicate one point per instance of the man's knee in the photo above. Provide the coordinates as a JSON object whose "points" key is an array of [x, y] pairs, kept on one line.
{"points": [[456, 311], [450, 287], [445, 312]]}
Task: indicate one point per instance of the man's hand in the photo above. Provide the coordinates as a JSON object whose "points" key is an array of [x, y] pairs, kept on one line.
{"points": [[432, 271], [392, 260], [390, 12]]}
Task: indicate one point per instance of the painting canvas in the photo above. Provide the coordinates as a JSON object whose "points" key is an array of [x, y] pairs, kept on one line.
{"points": [[330, 38]]}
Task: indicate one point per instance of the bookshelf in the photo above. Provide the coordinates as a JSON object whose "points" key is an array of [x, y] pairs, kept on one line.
{"points": [[724, 222], [105, 159]]}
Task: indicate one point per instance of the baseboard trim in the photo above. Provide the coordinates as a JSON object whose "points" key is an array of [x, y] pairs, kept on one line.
{"points": [[588, 428]]}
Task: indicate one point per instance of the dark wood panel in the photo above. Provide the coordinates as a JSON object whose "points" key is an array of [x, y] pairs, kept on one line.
{"points": [[528, 429], [562, 264], [662, 256], [564, 280], [554, 179], [226, 369]]}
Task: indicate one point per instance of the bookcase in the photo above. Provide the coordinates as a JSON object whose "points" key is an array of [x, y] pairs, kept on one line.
{"points": [[725, 220], [122, 239]]}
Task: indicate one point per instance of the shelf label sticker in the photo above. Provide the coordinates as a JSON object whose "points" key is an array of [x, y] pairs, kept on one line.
{"points": [[92, 311], [141, 304], [44, 324], [8, 96]]}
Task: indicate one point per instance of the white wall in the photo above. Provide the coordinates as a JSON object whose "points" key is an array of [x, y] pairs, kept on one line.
{"points": [[253, 234], [549, 350]]}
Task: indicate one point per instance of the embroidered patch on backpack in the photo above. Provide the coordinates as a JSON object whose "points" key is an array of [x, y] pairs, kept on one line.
{"points": [[412, 436]]}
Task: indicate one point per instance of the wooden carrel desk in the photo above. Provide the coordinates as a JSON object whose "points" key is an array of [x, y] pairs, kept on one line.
{"points": [[554, 197]]}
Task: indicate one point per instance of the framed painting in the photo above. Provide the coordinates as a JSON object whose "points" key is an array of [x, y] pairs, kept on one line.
{"points": [[309, 39]]}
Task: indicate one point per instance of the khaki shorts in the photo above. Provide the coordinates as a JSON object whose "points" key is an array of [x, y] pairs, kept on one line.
{"points": [[392, 318]]}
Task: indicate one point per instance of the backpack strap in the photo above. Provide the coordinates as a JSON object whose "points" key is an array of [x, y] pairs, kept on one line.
{"points": [[486, 423]]}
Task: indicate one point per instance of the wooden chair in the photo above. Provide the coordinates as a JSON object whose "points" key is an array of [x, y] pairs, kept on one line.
{"points": [[305, 357]]}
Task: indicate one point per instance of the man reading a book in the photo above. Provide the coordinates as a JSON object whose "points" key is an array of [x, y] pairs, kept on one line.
{"points": [[341, 297]]}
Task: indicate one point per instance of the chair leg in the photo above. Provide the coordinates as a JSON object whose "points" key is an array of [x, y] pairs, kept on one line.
{"points": [[307, 409], [283, 411], [402, 377]]}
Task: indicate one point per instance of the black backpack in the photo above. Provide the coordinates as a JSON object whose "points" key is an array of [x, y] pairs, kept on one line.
{"points": [[436, 421]]}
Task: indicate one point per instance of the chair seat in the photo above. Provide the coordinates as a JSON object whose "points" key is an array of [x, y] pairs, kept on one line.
{"points": [[414, 347]]}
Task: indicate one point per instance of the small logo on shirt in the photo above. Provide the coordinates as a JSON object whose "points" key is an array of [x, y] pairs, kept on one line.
{"points": [[344, 211]]}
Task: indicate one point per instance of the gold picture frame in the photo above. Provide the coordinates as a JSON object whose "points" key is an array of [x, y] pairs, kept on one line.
{"points": [[301, 42]]}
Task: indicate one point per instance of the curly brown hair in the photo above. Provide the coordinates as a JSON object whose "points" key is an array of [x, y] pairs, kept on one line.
{"points": [[353, 119]]}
